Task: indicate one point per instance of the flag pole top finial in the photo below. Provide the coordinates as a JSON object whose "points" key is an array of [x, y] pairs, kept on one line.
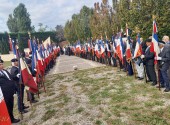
{"points": [[29, 34], [153, 17], [137, 29]]}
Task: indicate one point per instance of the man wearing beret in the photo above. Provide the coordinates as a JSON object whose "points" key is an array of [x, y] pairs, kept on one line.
{"points": [[8, 89], [20, 87], [149, 63], [164, 63]]}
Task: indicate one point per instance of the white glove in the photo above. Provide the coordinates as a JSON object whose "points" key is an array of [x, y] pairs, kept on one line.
{"points": [[35, 70], [158, 58], [142, 56], [18, 75]]}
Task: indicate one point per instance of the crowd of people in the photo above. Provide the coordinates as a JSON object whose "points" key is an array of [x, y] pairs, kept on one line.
{"points": [[11, 81], [142, 62]]}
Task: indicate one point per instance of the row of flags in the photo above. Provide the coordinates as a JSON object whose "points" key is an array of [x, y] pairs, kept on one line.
{"points": [[118, 45], [41, 57]]}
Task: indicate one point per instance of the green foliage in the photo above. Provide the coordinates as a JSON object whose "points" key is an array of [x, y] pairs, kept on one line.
{"points": [[20, 20], [79, 26], [50, 113], [104, 20], [42, 28], [4, 45]]}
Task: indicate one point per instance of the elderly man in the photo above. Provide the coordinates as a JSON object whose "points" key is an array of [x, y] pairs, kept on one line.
{"points": [[164, 63], [8, 89], [167, 42], [149, 63]]}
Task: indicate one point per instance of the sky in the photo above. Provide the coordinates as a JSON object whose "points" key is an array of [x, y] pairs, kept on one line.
{"points": [[47, 12]]}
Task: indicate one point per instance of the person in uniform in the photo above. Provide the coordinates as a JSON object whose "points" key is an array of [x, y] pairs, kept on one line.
{"points": [[164, 63], [149, 63], [20, 87], [8, 89]]}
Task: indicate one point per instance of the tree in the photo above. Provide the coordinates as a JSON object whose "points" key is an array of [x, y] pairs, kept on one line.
{"points": [[79, 27], [60, 32], [42, 28], [101, 21], [20, 20]]}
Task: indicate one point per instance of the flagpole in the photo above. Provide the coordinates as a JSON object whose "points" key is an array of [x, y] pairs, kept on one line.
{"points": [[157, 64], [20, 82]]}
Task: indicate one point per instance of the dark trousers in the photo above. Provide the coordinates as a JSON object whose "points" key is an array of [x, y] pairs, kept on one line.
{"points": [[10, 104], [114, 61], [161, 78], [150, 70], [164, 73], [20, 95], [129, 68]]}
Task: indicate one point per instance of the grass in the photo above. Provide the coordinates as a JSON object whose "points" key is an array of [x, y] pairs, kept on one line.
{"points": [[79, 110], [103, 96], [49, 114], [7, 63]]}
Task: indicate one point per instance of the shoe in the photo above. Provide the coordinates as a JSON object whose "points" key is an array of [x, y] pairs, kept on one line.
{"points": [[166, 90], [153, 84], [25, 107], [140, 78], [24, 111], [160, 86], [15, 120], [149, 81], [34, 101]]}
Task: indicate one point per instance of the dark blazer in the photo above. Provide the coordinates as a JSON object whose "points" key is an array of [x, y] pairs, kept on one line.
{"points": [[149, 57], [165, 54], [14, 71], [7, 86]]}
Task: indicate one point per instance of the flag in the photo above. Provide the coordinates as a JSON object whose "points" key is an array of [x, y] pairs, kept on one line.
{"points": [[96, 49], [78, 47], [119, 48], [138, 48], [108, 50], [27, 77], [128, 51], [114, 44], [10, 44], [102, 49], [40, 63], [4, 116], [89, 47], [154, 46], [14, 49]]}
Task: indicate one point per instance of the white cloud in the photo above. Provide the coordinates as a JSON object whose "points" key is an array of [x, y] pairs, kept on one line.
{"points": [[48, 12]]}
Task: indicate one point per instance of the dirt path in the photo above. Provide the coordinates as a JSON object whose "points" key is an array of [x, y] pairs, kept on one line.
{"points": [[65, 64]]}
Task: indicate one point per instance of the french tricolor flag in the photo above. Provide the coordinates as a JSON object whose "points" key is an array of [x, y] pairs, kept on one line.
{"points": [[119, 48], [4, 116], [138, 48], [154, 46], [27, 77]]}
